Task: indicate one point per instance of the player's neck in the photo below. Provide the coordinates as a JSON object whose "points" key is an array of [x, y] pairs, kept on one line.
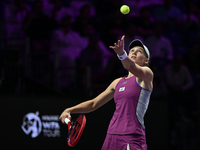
{"points": [[130, 75]]}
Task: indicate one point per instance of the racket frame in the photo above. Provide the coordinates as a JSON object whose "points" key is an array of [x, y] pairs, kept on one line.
{"points": [[71, 127]]}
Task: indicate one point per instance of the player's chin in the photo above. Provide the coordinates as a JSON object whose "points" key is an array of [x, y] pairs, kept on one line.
{"points": [[137, 62], [134, 59]]}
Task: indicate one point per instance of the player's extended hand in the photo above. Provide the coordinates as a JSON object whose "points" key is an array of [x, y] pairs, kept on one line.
{"points": [[65, 114], [119, 46]]}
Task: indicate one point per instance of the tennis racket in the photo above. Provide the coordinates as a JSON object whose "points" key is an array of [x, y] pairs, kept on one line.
{"points": [[75, 129]]}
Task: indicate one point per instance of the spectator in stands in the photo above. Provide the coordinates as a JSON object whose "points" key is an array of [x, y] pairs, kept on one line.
{"points": [[76, 5], [180, 85], [160, 91], [171, 18], [168, 13], [193, 62], [181, 103], [192, 22], [68, 44], [15, 13], [145, 23], [92, 58], [57, 10], [113, 25], [83, 19], [92, 54], [39, 27], [181, 4], [192, 58], [87, 32], [159, 45], [179, 80]]}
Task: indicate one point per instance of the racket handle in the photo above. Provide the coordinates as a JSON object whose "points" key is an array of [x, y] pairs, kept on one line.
{"points": [[67, 120]]}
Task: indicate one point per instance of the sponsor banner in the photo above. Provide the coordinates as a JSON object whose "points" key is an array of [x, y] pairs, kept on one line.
{"points": [[34, 124]]}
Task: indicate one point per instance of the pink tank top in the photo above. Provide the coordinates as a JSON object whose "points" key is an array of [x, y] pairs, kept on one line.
{"points": [[131, 104]]}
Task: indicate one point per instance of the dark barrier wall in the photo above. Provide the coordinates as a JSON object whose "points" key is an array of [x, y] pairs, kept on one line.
{"points": [[157, 125], [32, 123]]}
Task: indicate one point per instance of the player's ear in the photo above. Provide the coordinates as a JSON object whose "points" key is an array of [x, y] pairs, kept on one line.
{"points": [[147, 62]]}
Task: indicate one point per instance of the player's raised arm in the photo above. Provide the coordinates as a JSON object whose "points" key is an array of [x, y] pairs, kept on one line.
{"points": [[137, 60]]}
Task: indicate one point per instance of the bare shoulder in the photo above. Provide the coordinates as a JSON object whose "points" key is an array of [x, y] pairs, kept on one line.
{"points": [[114, 83], [148, 74], [147, 82], [106, 95]]}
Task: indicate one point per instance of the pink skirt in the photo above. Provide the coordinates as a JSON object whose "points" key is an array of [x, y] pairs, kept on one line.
{"points": [[124, 142]]}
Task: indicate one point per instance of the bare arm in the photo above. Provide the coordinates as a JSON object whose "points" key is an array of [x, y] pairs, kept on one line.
{"points": [[91, 105], [142, 72]]}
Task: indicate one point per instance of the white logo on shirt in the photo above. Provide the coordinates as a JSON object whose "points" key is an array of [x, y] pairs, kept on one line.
{"points": [[125, 82], [121, 89]]}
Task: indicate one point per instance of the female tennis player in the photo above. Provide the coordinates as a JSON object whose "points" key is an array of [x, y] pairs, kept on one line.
{"points": [[131, 94]]}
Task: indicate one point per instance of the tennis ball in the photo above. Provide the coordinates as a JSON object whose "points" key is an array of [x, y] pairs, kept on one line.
{"points": [[125, 9]]}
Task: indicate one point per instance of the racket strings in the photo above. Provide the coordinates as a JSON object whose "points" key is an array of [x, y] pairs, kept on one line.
{"points": [[75, 129]]}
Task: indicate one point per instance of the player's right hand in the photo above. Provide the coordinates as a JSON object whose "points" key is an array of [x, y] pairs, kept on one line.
{"points": [[65, 114]]}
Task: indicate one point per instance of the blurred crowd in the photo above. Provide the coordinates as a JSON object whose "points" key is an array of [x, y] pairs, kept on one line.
{"points": [[73, 37]]}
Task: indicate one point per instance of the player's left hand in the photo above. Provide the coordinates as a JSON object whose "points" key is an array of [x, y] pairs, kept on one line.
{"points": [[119, 46]]}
